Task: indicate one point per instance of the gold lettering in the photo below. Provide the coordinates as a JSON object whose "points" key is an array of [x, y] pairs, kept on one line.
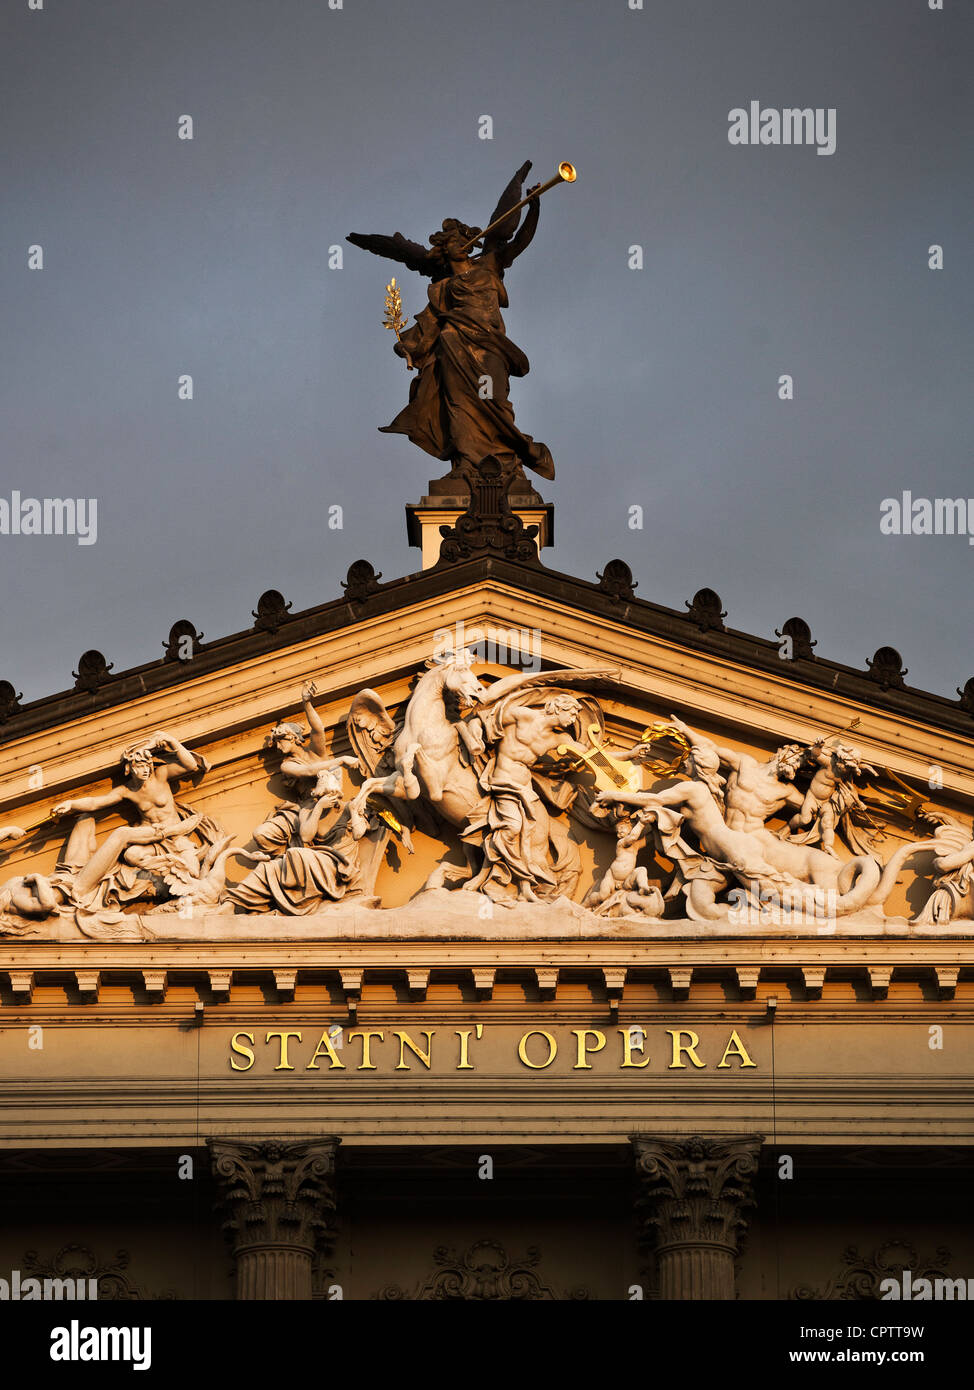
{"points": [[581, 1034], [627, 1050], [736, 1048], [406, 1041], [463, 1034], [523, 1053], [284, 1035], [366, 1034], [685, 1049], [676, 1034], [241, 1051], [325, 1047]]}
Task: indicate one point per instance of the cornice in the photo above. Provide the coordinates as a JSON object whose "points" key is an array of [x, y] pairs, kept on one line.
{"points": [[640, 616]]}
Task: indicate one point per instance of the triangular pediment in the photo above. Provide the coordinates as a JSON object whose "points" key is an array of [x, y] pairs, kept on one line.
{"points": [[515, 619]]}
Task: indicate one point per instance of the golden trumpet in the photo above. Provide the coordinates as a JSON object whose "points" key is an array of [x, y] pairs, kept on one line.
{"points": [[567, 173]]}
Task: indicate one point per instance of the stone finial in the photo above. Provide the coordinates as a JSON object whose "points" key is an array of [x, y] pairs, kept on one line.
{"points": [[271, 612], [488, 526], [616, 580], [92, 672], [360, 581], [966, 696], [707, 611], [184, 641], [9, 701], [886, 668], [797, 632]]}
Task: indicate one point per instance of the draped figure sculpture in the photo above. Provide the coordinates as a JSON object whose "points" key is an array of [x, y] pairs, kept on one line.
{"points": [[459, 408]]}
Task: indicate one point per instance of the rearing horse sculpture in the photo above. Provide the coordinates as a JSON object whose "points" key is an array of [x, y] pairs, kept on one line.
{"points": [[424, 759], [436, 756]]}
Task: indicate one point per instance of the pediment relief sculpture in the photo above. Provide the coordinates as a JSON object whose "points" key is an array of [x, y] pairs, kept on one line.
{"points": [[518, 778]]}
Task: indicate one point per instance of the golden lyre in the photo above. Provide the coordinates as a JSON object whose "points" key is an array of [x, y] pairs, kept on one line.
{"points": [[611, 774], [567, 173]]}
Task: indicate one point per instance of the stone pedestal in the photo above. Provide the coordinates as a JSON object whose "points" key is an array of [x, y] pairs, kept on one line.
{"points": [[449, 498], [278, 1202], [694, 1194]]}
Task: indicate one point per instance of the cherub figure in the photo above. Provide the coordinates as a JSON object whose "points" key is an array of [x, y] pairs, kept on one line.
{"points": [[305, 755], [625, 884], [831, 797]]}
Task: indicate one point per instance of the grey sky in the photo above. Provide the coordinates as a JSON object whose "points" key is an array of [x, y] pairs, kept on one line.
{"points": [[656, 387]]}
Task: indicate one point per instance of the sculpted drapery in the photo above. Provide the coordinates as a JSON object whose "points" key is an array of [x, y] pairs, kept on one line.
{"points": [[459, 407]]}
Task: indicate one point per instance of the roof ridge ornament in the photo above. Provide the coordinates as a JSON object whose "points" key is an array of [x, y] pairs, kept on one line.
{"points": [[616, 580], [92, 672], [271, 612], [9, 701], [361, 580], [886, 668], [798, 636], [707, 610], [184, 642]]}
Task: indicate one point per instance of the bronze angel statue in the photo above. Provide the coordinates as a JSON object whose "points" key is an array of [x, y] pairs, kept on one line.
{"points": [[459, 407]]}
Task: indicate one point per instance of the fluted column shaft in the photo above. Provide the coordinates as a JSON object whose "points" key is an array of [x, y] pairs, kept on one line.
{"points": [[270, 1271]]}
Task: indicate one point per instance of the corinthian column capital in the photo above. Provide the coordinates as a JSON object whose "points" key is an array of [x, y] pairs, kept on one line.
{"points": [[692, 1208], [278, 1203]]}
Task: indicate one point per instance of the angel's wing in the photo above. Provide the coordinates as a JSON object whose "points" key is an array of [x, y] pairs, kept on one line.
{"points": [[371, 729], [412, 254], [509, 198], [531, 680]]}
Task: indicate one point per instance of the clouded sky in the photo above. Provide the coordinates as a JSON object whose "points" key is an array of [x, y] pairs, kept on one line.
{"points": [[656, 387]]}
